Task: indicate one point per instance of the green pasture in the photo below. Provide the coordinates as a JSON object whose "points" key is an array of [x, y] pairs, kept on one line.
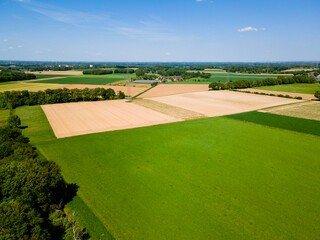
{"points": [[89, 79], [214, 178], [4, 114], [40, 76], [294, 88]]}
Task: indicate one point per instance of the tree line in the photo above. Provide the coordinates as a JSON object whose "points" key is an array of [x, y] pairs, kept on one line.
{"points": [[6, 76], [97, 72], [13, 99], [33, 192], [261, 82]]}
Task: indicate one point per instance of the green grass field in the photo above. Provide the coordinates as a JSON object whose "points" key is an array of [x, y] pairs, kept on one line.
{"points": [[4, 114], [223, 77], [294, 88], [215, 178], [89, 79], [40, 76]]}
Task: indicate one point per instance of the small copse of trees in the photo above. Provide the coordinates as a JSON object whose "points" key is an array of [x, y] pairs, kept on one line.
{"points": [[123, 70], [317, 94], [13, 99], [6, 76], [97, 72], [33, 192]]}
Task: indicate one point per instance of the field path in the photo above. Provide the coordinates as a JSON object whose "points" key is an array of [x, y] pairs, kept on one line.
{"points": [[303, 95]]}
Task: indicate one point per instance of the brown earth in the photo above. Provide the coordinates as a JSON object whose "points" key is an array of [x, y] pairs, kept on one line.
{"points": [[70, 119], [171, 89], [219, 103], [303, 95], [308, 110]]}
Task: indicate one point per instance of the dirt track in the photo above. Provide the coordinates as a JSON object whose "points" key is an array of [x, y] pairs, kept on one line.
{"points": [[70, 119], [219, 103]]}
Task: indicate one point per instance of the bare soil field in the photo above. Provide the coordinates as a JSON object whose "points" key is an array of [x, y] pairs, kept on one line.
{"points": [[127, 90], [172, 89], [303, 95], [58, 72], [219, 103], [308, 110], [71, 119]]}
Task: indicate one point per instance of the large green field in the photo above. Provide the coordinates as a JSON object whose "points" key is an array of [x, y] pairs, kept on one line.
{"points": [[294, 88], [40, 76], [89, 79], [215, 178], [224, 77]]}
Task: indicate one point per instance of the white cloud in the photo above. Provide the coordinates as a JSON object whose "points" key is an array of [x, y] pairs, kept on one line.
{"points": [[167, 54], [5, 40], [19, 46], [19, 0], [11, 47], [247, 29], [263, 29], [199, 0]]}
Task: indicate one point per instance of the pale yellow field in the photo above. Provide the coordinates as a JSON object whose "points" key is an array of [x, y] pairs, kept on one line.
{"points": [[219, 103], [71, 72], [308, 110], [28, 86]]}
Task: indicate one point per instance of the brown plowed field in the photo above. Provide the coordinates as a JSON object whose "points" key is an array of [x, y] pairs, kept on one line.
{"points": [[70, 119]]}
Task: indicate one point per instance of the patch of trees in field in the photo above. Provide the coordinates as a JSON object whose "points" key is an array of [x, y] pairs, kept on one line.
{"points": [[97, 72], [263, 82], [6, 76], [143, 74], [33, 192], [256, 69], [13, 99], [123, 70]]}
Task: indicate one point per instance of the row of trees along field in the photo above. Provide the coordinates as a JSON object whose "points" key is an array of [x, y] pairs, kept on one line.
{"points": [[6, 76], [33, 192], [13, 99], [103, 72], [263, 82], [256, 69]]}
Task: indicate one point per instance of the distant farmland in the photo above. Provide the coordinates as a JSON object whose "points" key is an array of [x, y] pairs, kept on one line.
{"points": [[215, 178], [224, 77], [89, 79]]}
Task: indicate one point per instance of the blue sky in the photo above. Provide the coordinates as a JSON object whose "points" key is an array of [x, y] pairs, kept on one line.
{"points": [[160, 30]]}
